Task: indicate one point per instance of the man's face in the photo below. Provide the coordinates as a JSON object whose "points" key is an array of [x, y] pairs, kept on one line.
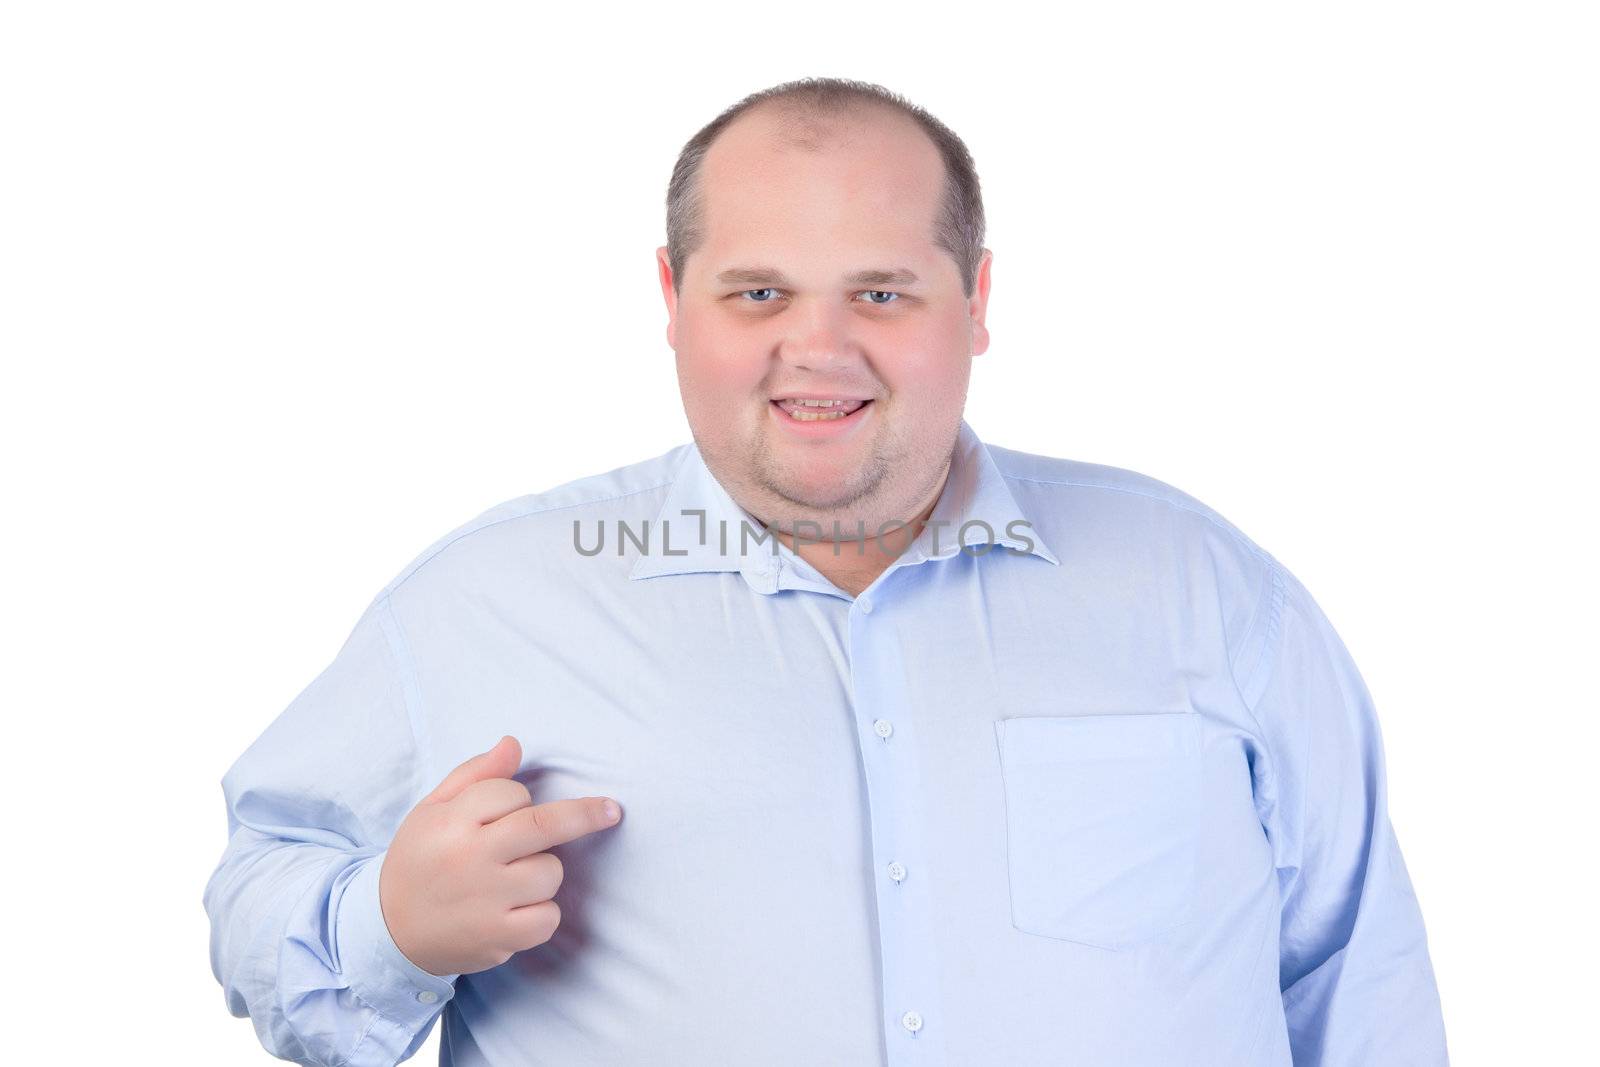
{"points": [[867, 201]]}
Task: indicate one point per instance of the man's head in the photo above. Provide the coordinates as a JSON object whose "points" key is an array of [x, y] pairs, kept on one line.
{"points": [[775, 210]]}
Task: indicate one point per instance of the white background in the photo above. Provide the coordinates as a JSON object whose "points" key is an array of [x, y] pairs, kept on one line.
{"points": [[289, 290]]}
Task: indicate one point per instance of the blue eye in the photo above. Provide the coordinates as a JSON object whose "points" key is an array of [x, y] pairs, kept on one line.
{"points": [[892, 297]]}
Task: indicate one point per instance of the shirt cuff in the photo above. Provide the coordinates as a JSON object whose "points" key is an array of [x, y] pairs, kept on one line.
{"points": [[373, 965]]}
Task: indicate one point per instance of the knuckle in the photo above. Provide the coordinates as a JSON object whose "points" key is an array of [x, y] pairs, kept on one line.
{"points": [[511, 791], [540, 926], [540, 819]]}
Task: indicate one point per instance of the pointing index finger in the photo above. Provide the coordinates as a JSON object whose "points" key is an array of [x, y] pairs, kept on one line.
{"points": [[556, 822]]}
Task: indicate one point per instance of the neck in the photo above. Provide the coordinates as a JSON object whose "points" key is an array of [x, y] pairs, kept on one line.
{"points": [[852, 565]]}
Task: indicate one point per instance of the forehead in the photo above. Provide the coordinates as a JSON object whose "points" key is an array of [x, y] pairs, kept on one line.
{"points": [[787, 182]]}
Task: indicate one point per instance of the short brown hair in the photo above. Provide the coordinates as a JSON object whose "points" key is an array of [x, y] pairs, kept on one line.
{"points": [[958, 229]]}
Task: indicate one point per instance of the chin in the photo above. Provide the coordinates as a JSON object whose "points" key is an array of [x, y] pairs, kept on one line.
{"points": [[821, 493]]}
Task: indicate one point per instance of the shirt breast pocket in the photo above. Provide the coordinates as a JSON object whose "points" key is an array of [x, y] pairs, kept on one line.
{"points": [[1102, 824]]}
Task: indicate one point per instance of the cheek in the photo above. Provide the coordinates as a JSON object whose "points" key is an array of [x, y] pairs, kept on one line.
{"points": [[717, 384], [717, 353], [927, 369]]}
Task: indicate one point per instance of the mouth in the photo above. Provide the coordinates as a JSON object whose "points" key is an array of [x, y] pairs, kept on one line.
{"points": [[820, 410]]}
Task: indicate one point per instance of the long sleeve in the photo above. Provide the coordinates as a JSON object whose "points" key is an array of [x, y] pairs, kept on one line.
{"points": [[298, 939], [1358, 985]]}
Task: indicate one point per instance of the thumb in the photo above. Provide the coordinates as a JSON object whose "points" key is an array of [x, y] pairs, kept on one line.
{"points": [[501, 761]]}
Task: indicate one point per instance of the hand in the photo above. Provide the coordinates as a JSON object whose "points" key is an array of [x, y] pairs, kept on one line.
{"points": [[467, 881]]}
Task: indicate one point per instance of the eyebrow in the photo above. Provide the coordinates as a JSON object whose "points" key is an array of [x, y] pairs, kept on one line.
{"points": [[764, 276]]}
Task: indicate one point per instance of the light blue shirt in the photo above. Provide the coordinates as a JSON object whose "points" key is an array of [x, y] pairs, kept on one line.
{"points": [[1107, 789]]}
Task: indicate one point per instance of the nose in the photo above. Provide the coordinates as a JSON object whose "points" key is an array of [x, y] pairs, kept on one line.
{"points": [[817, 337]]}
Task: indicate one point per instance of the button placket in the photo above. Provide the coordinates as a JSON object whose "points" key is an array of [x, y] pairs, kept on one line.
{"points": [[891, 782]]}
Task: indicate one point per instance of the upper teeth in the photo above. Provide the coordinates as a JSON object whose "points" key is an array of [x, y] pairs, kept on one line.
{"points": [[820, 403]]}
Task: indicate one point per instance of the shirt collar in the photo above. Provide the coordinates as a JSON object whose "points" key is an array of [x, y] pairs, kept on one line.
{"points": [[700, 527]]}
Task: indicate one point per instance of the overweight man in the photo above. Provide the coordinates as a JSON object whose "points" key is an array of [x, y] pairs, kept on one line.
{"points": [[836, 735]]}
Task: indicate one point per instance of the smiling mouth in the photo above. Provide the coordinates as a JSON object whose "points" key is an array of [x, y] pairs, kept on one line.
{"points": [[819, 410]]}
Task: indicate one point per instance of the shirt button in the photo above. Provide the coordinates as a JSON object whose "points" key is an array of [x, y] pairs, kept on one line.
{"points": [[865, 603], [911, 1021], [427, 996], [897, 872], [883, 728]]}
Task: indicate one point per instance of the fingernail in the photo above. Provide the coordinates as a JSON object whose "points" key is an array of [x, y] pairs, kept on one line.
{"points": [[611, 811]]}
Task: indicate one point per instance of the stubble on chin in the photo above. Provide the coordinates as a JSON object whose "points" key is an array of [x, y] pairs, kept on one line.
{"points": [[788, 499], [788, 492]]}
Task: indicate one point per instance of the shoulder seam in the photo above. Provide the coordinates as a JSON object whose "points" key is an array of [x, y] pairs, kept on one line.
{"points": [[406, 673], [1267, 661]]}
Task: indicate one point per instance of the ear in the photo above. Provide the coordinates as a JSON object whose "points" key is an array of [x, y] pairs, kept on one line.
{"points": [[978, 306], [664, 272]]}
